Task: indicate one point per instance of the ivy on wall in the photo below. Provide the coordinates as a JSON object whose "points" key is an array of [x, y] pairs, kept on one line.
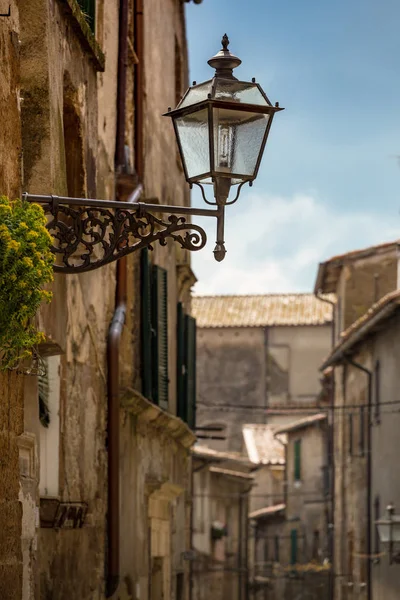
{"points": [[26, 265]]}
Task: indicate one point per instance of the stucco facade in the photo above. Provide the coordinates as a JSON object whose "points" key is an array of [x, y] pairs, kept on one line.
{"points": [[60, 86], [221, 486], [257, 375]]}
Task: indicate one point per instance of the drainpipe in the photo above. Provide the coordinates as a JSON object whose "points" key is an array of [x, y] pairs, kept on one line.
{"points": [[369, 467], [331, 454], [114, 336], [139, 87]]}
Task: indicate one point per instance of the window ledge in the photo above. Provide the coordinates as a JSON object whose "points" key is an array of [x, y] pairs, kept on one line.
{"points": [[156, 417], [85, 34]]}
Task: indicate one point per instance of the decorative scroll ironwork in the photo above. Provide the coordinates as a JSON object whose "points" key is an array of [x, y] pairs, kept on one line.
{"points": [[88, 237]]}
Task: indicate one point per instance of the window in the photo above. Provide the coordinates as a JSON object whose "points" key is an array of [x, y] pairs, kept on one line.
{"points": [[316, 546], [276, 548], [377, 385], [293, 546], [154, 332], [362, 431], [297, 460], [186, 367], [377, 516], [351, 448], [49, 416], [88, 7], [180, 587]]}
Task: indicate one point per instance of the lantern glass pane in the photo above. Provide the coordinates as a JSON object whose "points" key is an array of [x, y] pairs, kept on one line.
{"points": [[195, 94], [238, 138], [194, 141], [384, 526], [239, 91]]}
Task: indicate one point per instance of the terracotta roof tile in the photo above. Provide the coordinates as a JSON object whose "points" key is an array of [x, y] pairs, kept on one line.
{"points": [[261, 445], [268, 511], [302, 423], [260, 311]]}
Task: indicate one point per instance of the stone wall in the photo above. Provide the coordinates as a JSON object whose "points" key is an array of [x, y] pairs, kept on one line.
{"points": [[11, 384]]}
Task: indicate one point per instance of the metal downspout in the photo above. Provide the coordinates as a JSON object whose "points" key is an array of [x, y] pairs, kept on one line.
{"points": [[369, 468], [114, 337], [331, 454]]}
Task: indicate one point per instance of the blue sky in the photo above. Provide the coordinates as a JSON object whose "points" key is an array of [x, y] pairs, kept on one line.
{"points": [[330, 177]]}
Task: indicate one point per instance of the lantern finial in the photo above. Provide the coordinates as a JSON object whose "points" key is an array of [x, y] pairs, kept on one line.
{"points": [[224, 62]]}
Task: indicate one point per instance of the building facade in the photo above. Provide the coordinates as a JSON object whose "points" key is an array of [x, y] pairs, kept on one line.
{"points": [[358, 280], [103, 437], [258, 359], [222, 482], [365, 361]]}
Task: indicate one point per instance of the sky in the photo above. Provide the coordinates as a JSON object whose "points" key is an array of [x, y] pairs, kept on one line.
{"points": [[329, 181]]}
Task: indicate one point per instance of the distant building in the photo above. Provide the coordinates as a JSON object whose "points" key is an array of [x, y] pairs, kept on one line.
{"points": [[291, 535], [363, 283], [367, 421], [258, 360], [222, 482]]}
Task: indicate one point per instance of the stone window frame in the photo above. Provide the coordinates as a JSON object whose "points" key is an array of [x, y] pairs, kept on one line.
{"points": [[84, 33]]}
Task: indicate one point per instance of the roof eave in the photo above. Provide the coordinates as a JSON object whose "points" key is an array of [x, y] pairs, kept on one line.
{"points": [[348, 346]]}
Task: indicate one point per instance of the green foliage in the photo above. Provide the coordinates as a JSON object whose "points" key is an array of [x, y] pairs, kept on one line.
{"points": [[26, 264]]}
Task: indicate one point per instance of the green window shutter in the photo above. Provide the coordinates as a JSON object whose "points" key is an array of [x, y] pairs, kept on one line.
{"points": [[88, 7], [147, 333], [293, 546], [190, 371], [297, 460], [181, 363], [160, 337]]}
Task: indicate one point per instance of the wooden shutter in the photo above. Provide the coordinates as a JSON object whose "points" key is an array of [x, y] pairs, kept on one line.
{"points": [[293, 546], [297, 460], [147, 333], [88, 7], [181, 363], [160, 337], [190, 371]]}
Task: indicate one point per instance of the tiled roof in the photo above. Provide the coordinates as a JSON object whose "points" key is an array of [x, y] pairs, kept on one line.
{"points": [[364, 326], [204, 452], [260, 311], [329, 270], [269, 511], [261, 445], [301, 423], [231, 473]]}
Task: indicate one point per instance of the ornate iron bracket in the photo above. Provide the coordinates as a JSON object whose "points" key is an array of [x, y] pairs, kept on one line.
{"points": [[90, 233]]}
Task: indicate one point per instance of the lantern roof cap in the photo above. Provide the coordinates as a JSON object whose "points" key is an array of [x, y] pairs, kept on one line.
{"points": [[224, 61]]}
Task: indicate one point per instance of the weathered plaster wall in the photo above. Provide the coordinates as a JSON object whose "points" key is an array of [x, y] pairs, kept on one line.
{"points": [[11, 384], [256, 369], [155, 478], [363, 282], [350, 480], [385, 431], [59, 76]]}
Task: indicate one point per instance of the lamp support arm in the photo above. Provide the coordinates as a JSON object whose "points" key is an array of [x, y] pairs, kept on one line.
{"points": [[89, 233]]}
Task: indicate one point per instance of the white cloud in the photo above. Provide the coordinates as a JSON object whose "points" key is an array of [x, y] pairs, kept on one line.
{"points": [[274, 244]]}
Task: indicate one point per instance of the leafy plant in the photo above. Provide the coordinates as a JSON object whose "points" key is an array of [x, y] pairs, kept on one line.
{"points": [[26, 265]]}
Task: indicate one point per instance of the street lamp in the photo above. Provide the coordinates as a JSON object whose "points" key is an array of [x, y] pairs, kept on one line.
{"points": [[221, 127], [389, 532]]}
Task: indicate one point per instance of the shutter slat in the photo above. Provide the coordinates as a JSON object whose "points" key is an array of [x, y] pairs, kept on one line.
{"points": [[191, 371], [181, 363], [160, 337], [146, 329]]}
